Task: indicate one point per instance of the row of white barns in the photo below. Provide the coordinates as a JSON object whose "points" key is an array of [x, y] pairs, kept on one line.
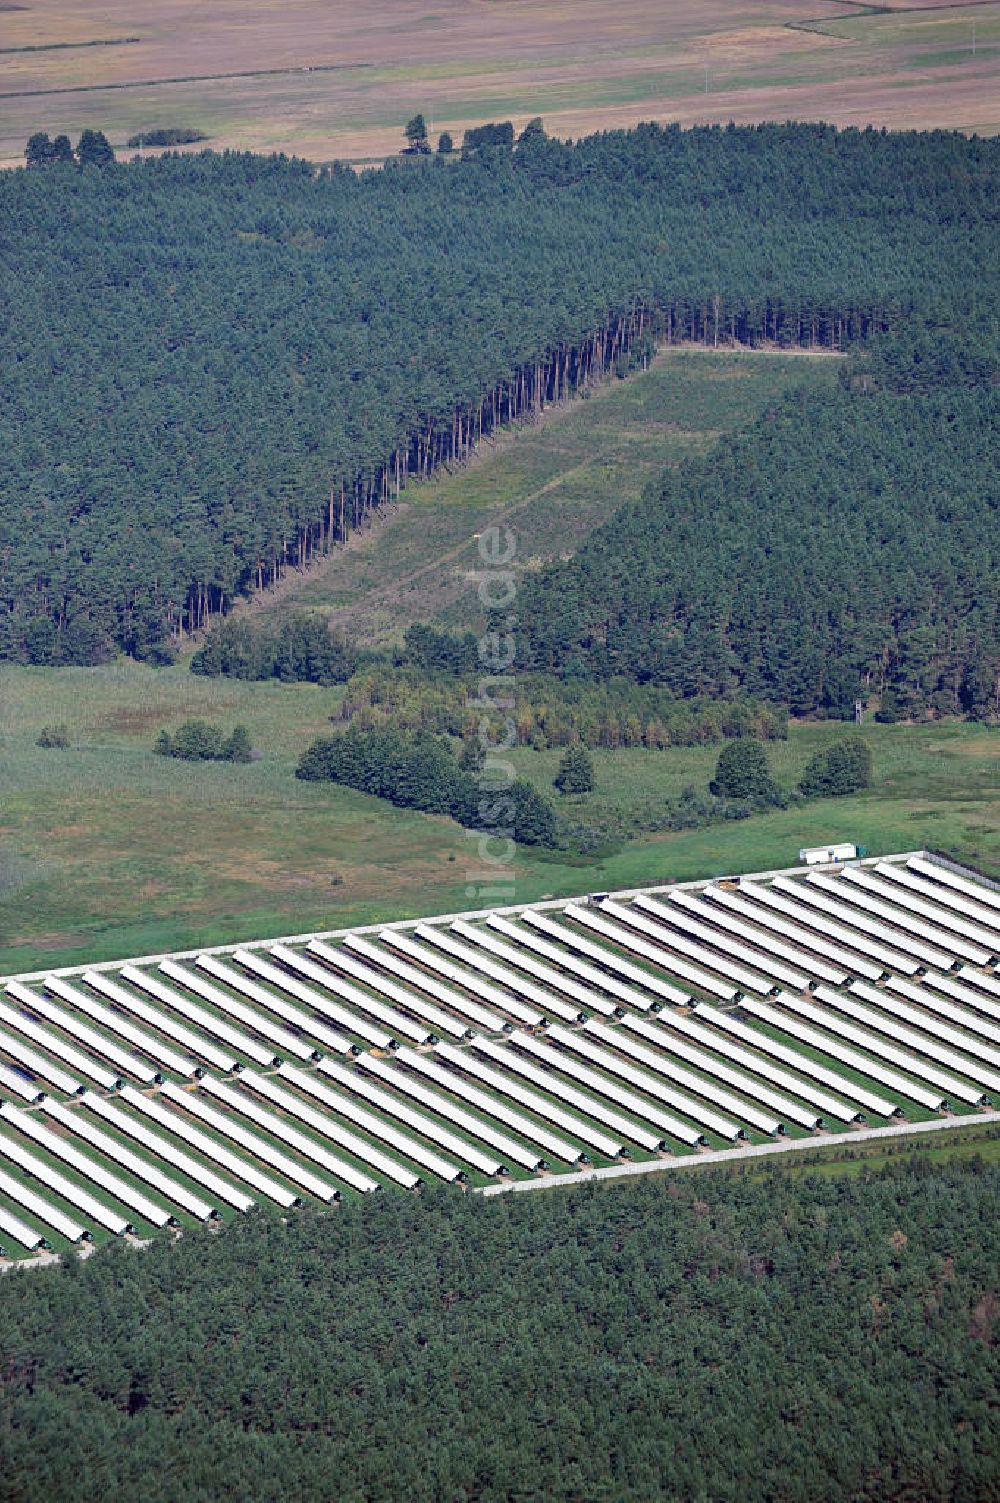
{"points": [[518, 1042], [137, 1159], [274, 1128], [180, 1018], [523, 1102]]}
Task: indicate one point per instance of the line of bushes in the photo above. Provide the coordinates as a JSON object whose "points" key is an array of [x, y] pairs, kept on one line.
{"points": [[295, 648], [420, 771], [199, 741], [169, 135]]}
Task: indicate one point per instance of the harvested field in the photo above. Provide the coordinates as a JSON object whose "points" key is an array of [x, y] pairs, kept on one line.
{"points": [[333, 80]]}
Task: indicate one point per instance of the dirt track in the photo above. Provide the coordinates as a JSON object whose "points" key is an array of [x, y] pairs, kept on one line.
{"points": [[740, 1155]]}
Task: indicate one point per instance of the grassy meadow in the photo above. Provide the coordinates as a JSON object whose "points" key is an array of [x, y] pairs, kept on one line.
{"points": [[107, 850], [868, 1158]]}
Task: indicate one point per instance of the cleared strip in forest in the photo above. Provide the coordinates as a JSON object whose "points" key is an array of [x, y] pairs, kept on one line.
{"points": [[389, 594], [553, 377], [415, 557]]}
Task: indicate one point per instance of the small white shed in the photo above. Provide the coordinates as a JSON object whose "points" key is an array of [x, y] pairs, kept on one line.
{"points": [[821, 855]]}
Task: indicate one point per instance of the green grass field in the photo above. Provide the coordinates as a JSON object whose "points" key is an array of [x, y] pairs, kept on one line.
{"points": [[868, 1158], [107, 850], [552, 481], [945, 772]]}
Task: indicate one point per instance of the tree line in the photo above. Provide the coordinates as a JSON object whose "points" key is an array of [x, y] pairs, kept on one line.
{"points": [[701, 1336], [293, 647], [93, 149], [200, 741], [217, 365], [431, 683], [549, 711], [167, 135], [420, 770]]}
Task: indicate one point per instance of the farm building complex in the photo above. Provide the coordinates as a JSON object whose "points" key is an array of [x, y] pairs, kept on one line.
{"points": [[494, 1046]]}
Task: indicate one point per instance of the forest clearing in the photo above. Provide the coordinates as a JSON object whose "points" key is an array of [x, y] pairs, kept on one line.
{"points": [[107, 848], [553, 478], [286, 302], [334, 81]]}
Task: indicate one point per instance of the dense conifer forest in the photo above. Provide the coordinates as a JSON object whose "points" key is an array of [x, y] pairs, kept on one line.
{"points": [[216, 365], [846, 546], [216, 368], [698, 1337]]}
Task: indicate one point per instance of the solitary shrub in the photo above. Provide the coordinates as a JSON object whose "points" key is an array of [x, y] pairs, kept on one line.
{"points": [[238, 748], [842, 768], [197, 741], [53, 735], [743, 772], [415, 131], [576, 771]]}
